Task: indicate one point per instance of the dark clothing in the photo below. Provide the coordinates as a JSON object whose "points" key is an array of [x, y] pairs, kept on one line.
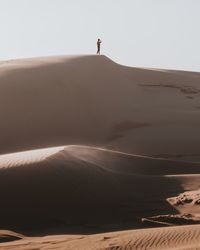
{"points": [[98, 46]]}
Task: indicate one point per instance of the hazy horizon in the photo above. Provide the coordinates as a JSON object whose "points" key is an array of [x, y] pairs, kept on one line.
{"points": [[139, 33]]}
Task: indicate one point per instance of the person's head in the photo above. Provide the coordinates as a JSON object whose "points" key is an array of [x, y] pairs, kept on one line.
{"points": [[99, 39]]}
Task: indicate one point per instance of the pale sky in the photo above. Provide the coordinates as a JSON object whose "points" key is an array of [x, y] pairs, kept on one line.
{"points": [[139, 33]]}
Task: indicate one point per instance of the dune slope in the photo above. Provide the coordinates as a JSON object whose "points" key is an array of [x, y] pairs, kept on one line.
{"points": [[90, 100], [118, 125], [76, 185], [180, 238]]}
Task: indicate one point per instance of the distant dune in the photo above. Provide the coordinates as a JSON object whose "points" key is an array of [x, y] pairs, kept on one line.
{"points": [[90, 100], [89, 146]]}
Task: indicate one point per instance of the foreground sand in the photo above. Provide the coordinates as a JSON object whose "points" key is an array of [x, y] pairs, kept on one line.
{"points": [[82, 126], [179, 238]]}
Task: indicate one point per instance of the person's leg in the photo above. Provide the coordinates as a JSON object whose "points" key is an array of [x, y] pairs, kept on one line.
{"points": [[98, 49]]}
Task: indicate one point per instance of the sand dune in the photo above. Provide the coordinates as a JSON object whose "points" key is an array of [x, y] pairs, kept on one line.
{"points": [[90, 100], [84, 186], [183, 238], [83, 147], [93, 189]]}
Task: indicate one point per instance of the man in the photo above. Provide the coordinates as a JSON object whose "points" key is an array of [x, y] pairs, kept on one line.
{"points": [[98, 46]]}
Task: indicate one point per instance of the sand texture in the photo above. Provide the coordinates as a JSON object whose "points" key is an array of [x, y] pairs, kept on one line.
{"points": [[96, 155]]}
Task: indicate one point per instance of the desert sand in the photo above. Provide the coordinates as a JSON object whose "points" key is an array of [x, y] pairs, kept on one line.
{"points": [[90, 100], [96, 155], [179, 238]]}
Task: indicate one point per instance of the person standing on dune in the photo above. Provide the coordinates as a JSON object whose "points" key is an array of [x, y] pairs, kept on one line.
{"points": [[98, 46]]}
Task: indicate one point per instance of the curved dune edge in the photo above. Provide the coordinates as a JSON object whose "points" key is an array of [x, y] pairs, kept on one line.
{"points": [[108, 187], [182, 237], [27, 157], [109, 160], [7, 236]]}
